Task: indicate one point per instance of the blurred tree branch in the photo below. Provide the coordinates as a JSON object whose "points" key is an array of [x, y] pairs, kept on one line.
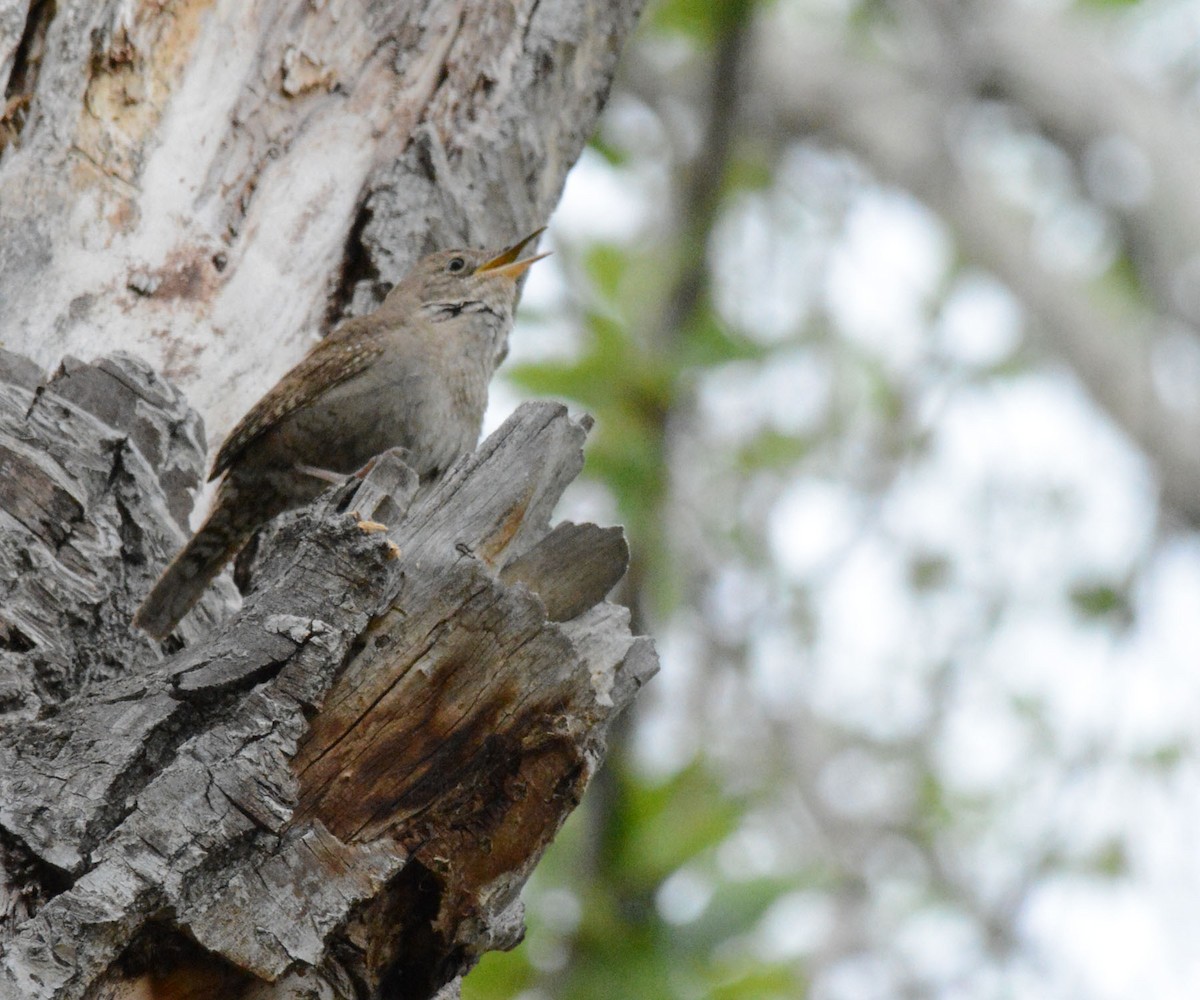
{"points": [[1063, 73], [901, 123], [832, 645]]}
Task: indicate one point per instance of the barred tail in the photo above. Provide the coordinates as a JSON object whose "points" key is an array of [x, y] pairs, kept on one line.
{"points": [[189, 574]]}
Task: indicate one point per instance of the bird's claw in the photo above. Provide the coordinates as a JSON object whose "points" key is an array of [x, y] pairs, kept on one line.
{"points": [[374, 527]]}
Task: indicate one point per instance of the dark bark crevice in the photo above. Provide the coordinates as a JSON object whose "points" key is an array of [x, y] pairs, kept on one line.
{"points": [[359, 279], [22, 79]]}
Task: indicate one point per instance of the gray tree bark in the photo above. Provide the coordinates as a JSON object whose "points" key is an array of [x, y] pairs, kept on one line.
{"points": [[340, 790], [210, 183]]}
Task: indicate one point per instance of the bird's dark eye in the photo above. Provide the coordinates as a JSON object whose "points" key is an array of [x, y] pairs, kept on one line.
{"points": [[456, 264]]}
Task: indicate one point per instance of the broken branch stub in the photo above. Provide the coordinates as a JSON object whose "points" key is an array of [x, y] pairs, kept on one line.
{"points": [[342, 789]]}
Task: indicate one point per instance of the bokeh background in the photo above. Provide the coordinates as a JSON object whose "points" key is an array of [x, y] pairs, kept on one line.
{"points": [[888, 314]]}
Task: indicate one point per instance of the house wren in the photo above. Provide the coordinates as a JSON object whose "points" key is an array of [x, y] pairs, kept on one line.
{"points": [[413, 374]]}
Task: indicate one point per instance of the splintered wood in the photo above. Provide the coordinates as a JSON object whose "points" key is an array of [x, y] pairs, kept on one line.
{"points": [[340, 790]]}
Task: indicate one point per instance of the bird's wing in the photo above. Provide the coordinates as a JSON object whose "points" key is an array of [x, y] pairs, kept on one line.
{"points": [[346, 352]]}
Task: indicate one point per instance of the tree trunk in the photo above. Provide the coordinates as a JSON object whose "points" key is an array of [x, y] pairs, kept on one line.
{"points": [[210, 183], [339, 791]]}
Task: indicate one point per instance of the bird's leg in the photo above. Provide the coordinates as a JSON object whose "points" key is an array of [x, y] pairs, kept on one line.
{"points": [[325, 475], [403, 454], [366, 469], [337, 478]]}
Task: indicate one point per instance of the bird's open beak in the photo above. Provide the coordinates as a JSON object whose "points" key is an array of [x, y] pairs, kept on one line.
{"points": [[506, 263]]}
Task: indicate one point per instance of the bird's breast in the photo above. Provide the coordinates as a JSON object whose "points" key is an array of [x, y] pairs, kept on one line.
{"points": [[432, 410]]}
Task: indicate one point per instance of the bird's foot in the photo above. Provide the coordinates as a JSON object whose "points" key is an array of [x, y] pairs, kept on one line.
{"points": [[373, 528]]}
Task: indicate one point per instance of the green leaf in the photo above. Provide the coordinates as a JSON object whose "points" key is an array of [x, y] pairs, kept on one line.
{"points": [[708, 342], [702, 21], [606, 264], [929, 572], [934, 811], [736, 908], [751, 980], [1101, 600], [672, 823], [749, 169], [498, 976], [1164, 758], [614, 156], [773, 450], [1111, 860]]}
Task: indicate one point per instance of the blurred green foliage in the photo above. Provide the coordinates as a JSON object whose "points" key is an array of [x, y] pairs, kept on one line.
{"points": [[701, 21], [617, 944], [633, 835], [1102, 600], [637, 897]]}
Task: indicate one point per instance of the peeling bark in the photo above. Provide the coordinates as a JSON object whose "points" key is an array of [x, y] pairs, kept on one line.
{"points": [[339, 788], [343, 788]]}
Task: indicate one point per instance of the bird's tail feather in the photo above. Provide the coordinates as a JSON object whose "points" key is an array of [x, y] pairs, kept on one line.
{"points": [[193, 569]]}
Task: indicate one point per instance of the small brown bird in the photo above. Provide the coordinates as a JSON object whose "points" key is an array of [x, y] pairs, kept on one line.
{"points": [[413, 374]]}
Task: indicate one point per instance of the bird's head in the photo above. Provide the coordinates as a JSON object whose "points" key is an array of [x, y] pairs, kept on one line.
{"points": [[452, 283]]}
